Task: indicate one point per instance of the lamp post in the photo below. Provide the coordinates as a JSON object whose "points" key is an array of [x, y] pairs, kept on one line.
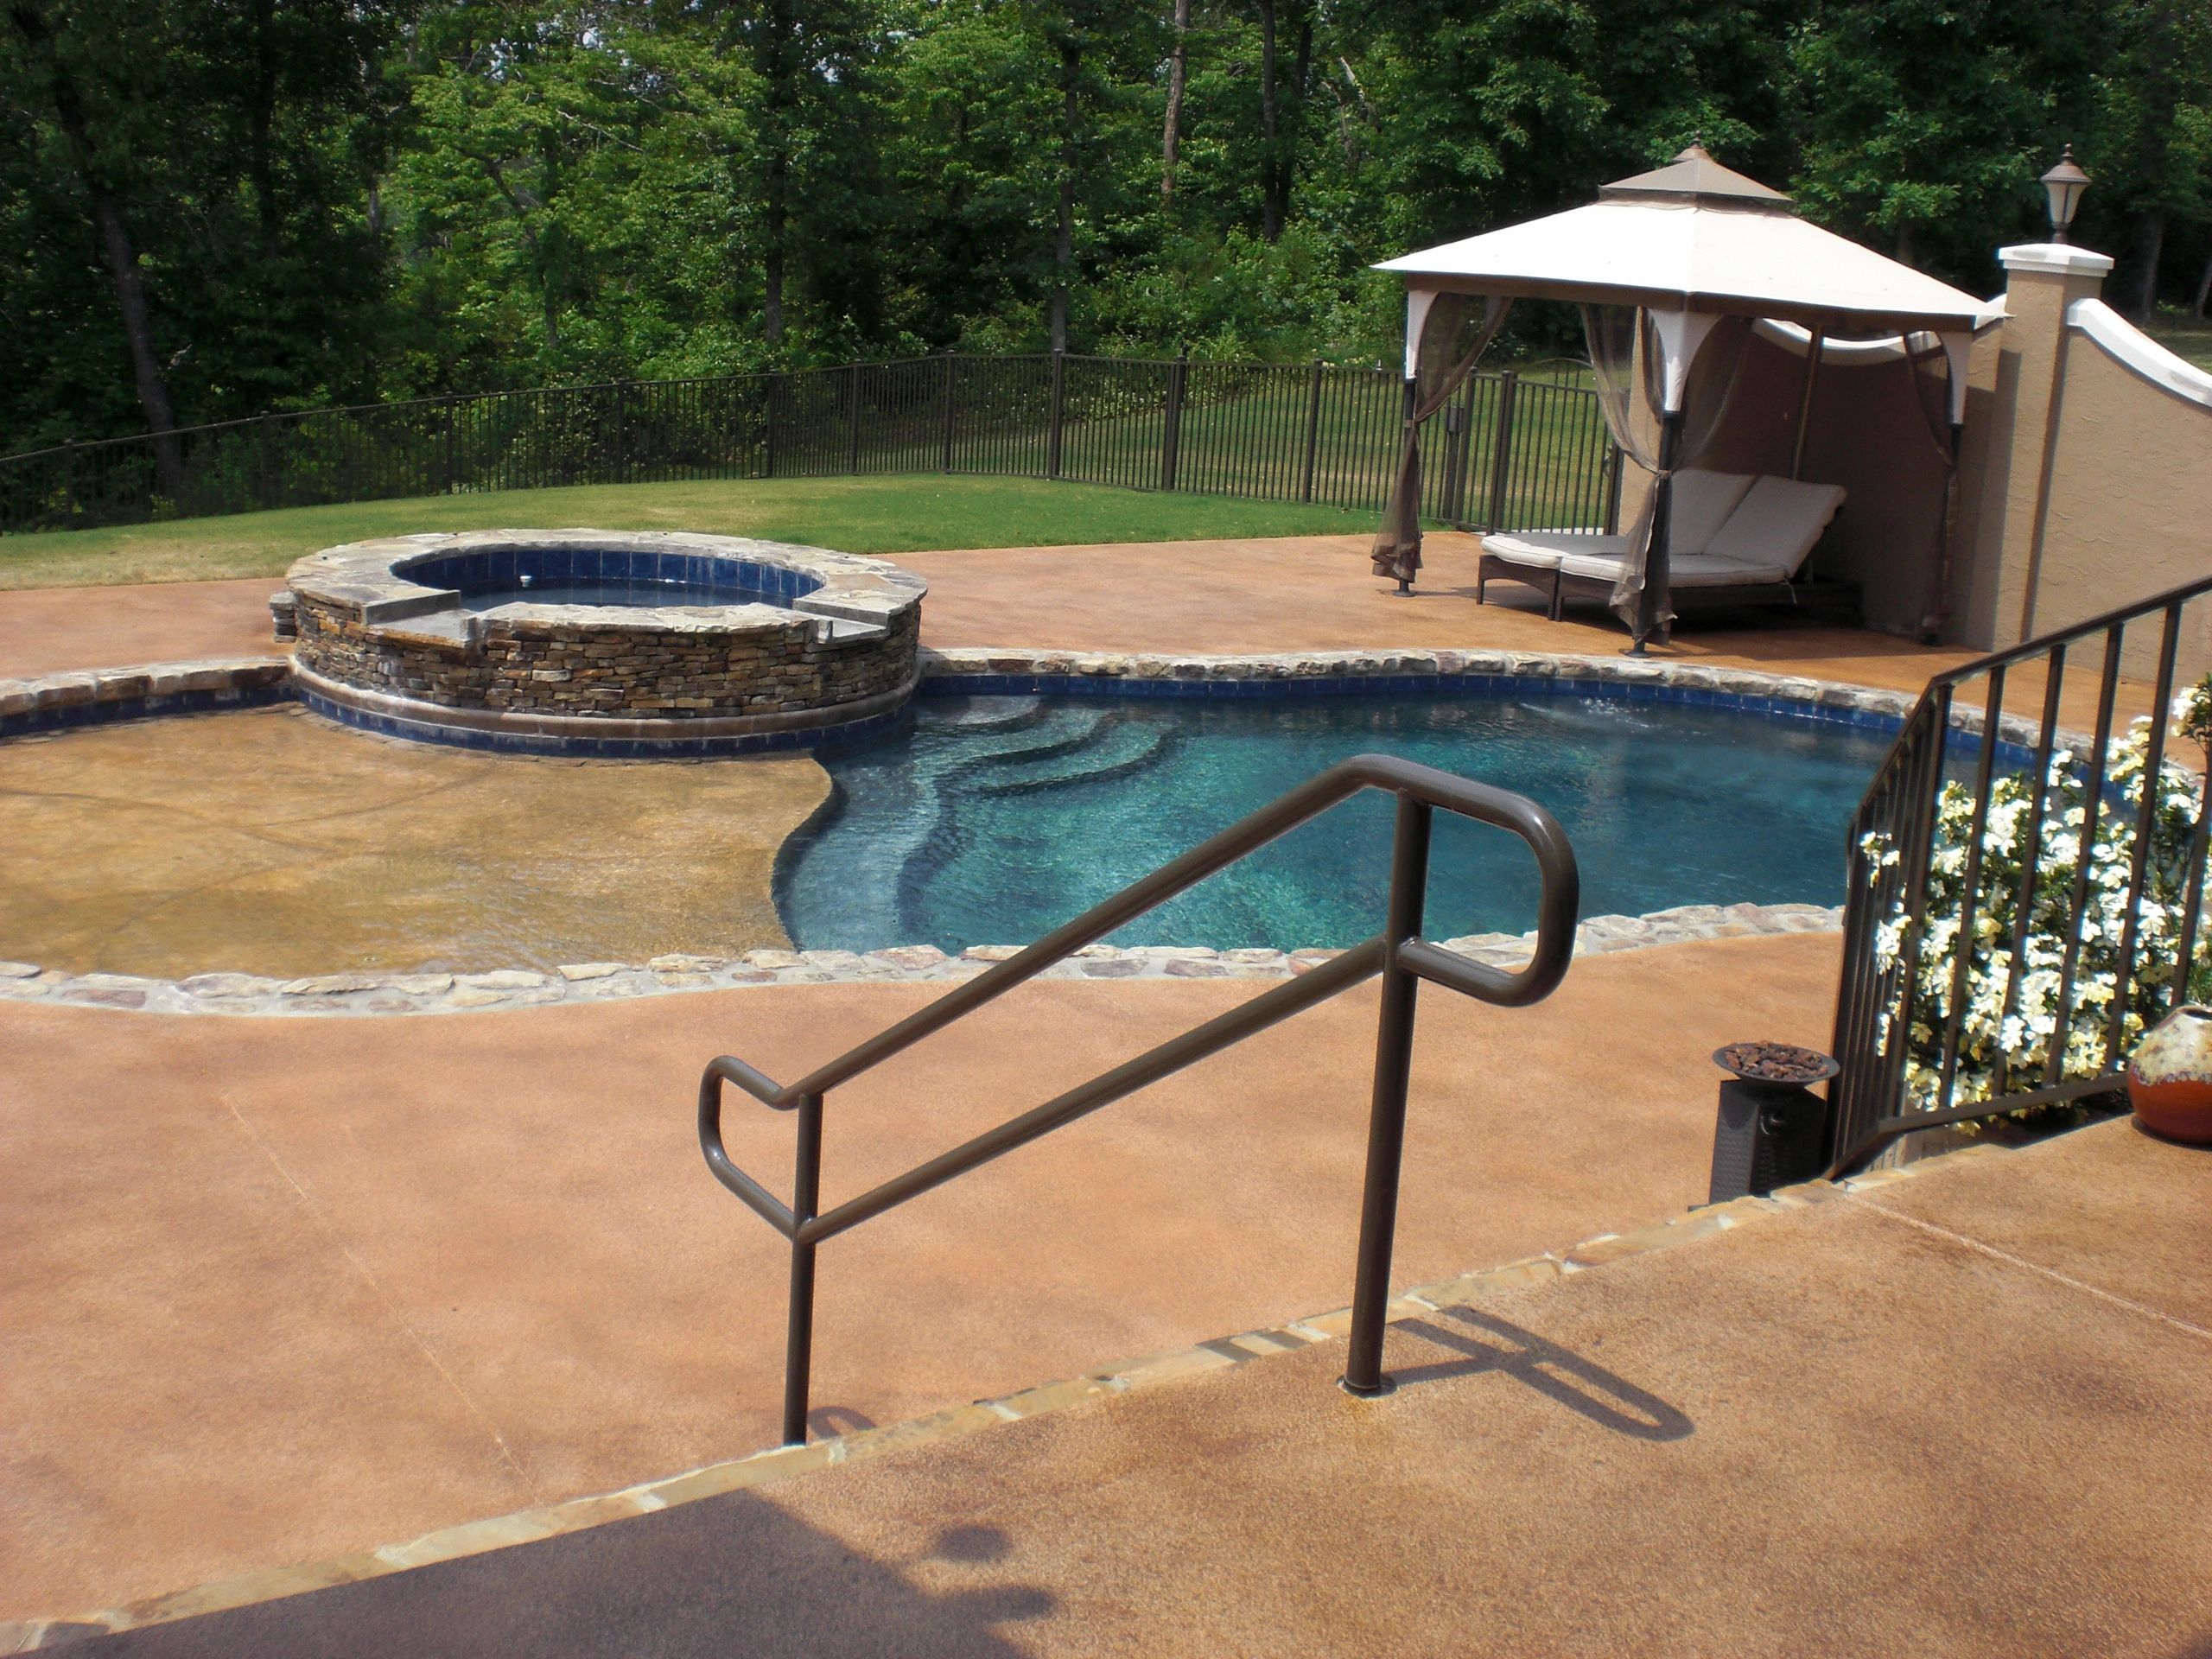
{"points": [[2064, 185]]}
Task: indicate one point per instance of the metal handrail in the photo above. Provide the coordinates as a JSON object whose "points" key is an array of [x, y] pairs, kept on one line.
{"points": [[1888, 884], [1397, 954]]}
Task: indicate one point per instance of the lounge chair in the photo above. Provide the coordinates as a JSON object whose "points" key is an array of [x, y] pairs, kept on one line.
{"points": [[1735, 536]]}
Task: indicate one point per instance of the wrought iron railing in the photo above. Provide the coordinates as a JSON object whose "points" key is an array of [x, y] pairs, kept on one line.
{"points": [[1510, 451], [2026, 891], [1398, 954]]}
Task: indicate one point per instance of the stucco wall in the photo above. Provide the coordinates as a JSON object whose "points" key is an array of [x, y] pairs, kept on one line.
{"points": [[2130, 511], [2086, 485]]}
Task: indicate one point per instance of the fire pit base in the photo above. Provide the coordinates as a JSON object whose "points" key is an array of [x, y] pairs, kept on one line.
{"points": [[1771, 1129]]}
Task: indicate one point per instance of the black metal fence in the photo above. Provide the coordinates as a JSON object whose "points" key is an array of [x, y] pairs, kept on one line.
{"points": [[1511, 451], [2027, 889]]}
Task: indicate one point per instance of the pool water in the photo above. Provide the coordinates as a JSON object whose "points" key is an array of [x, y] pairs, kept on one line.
{"points": [[612, 592], [998, 818]]}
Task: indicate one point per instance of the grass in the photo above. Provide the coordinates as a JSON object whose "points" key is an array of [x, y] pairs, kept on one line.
{"points": [[2184, 336], [858, 515]]}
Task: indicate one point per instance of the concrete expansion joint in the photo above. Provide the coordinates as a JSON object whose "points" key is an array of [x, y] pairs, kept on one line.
{"points": [[779, 1464], [367, 995]]}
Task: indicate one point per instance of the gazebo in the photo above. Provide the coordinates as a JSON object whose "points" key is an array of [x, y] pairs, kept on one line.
{"points": [[1677, 272]]}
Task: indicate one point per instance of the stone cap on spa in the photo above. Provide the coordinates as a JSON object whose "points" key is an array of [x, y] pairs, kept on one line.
{"points": [[369, 581]]}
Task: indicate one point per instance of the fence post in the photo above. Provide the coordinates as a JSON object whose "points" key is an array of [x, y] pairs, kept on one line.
{"points": [[1059, 413], [853, 446], [452, 480], [1313, 430], [1460, 428], [621, 444], [1501, 456], [268, 474], [949, 360], [768, 435], [69, 482], [1171, 431]]}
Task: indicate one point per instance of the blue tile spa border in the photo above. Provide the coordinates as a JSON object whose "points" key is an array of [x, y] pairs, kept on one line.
{"points": [[676, 747]]}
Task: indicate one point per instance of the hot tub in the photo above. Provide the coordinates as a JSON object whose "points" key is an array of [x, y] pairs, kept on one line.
{"points": [[603, 642]]}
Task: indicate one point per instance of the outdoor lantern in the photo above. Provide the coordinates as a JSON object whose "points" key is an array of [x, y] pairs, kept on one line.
{"points": [[2065, 184]]}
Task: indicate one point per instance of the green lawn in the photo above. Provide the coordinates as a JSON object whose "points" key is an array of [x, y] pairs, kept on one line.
{"points": [[2184, 336], [859, 515]]}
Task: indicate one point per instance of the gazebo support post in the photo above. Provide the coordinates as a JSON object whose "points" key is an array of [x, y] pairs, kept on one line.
{"points": [[1405, 587], [1655, 557], [1817, 338]]}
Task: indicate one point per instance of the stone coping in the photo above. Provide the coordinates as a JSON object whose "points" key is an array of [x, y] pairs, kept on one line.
{"points": [[779, 1464], [599, 736], [35, 703], [89, 695], [987, 670], [369, 581], [342, 993]]}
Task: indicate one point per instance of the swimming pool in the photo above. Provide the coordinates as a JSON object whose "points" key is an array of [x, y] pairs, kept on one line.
{"points": [[999, 817]]}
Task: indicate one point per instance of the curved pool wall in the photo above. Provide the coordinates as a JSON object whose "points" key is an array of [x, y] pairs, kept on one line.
{"points": [[760, 647]]}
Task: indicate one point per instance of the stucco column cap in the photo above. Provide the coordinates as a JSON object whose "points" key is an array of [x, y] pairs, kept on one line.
{"points": [[2055, 258]]}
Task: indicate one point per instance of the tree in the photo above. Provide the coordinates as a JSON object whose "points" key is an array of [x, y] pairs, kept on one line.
{"points": [[1926, 122], [53, 63]]}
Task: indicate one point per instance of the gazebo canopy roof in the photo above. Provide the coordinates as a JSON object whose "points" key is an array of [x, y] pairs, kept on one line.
{"points": [[1695, 235]]}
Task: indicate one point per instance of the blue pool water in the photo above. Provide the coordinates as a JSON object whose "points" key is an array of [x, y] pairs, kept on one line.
{"points": [[614, 593], [998, 818]]}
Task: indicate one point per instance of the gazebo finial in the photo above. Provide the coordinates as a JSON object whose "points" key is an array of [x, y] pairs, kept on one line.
{"points": [[1694, 175]]}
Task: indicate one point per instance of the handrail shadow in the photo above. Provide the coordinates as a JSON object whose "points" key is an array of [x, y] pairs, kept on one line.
{"points": [[1551, 1370]]}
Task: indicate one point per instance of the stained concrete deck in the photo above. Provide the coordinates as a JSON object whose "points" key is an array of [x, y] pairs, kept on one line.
{"points": [[1962, 1414], [1299, 593], [275, 1289], [270, 1291]]}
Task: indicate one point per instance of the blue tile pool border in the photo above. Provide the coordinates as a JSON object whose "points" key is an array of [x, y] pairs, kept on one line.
{"points": [[1442, 684]]}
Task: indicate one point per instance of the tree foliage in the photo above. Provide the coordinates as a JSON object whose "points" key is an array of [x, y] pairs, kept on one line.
{"points": [[220, 207]]}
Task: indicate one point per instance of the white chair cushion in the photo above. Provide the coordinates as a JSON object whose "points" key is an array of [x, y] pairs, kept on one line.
{"points": [[1691, 570], [1541, 550], [1702, 503], [1778, 522], [1710, 570]]}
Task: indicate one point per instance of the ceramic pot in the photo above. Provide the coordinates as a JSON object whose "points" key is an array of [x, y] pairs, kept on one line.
{"points": [[2170, 1077]]}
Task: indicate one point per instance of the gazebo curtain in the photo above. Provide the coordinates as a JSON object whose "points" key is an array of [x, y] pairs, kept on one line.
{"points": [[1440, 366], [1628, 361]]}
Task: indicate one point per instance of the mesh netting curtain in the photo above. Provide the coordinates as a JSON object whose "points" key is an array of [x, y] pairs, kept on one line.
{"points": [[1440, 366], [1630, 366], [1935, 397]]}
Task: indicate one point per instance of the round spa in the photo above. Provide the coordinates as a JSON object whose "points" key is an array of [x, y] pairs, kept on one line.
{"points": [[604, 642]]}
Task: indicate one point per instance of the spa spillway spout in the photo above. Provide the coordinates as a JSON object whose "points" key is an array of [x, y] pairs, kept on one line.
{"points": [[526, 578]]}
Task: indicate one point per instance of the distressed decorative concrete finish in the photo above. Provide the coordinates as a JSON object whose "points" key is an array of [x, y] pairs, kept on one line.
{"points": [[780, 1464], [600, 982], [267, 841], [1738, 1430], [490, 1272]]}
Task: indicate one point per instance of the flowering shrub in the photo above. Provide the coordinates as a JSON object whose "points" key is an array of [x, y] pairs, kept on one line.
{"points": [[2024, 1038]]}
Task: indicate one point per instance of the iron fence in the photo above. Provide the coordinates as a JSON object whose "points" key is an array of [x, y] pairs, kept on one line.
{"points": [[1509, 452], [2026, 888]]}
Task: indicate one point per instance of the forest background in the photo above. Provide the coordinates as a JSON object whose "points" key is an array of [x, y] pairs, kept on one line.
{"points": [[215, 207]]}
